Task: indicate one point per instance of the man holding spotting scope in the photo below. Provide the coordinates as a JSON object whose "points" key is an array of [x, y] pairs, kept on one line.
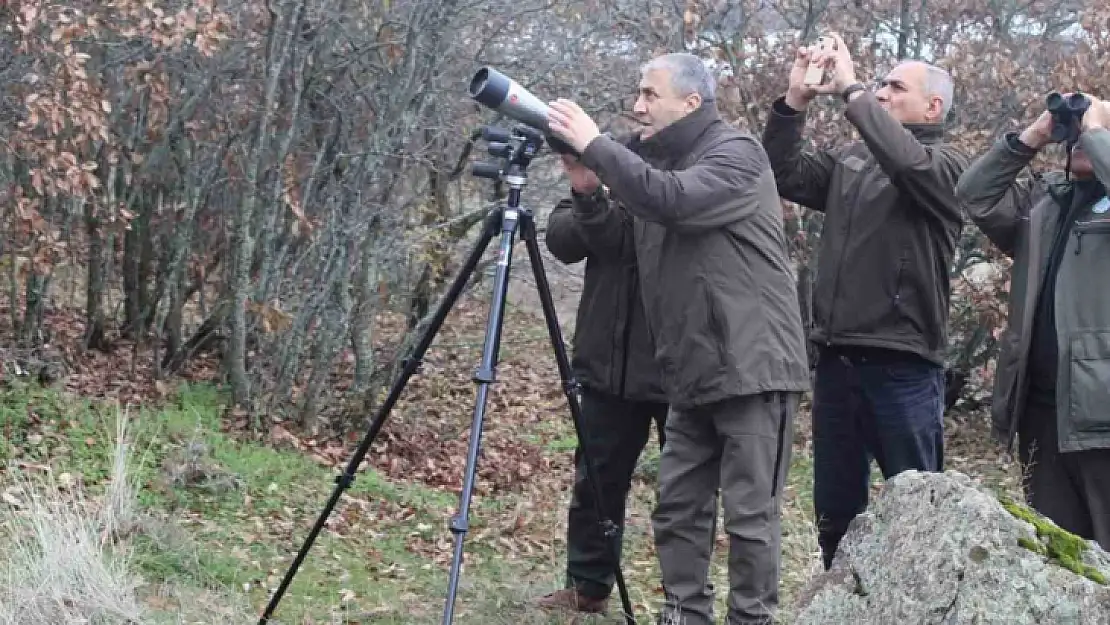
{"points": [[1052, 385], [721, 305]]}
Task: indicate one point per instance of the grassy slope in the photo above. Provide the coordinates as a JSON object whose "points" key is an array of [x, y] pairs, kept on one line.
{"points": [[225, 517]]}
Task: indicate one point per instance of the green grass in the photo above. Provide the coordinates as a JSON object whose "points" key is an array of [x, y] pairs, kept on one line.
{"points": [[236, 528], [224, 537], [233, 529]]}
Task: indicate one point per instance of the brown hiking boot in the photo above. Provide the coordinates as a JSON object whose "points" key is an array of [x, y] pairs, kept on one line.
{"points": [[571, 599]]}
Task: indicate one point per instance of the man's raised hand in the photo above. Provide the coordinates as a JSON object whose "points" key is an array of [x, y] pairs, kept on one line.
{"points": [[1097, 115], [570, 123], [1039, 133], [798, 93], [581, 178], [839, 63]]}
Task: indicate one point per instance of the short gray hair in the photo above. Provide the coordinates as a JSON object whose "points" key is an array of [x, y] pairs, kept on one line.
{"points": [[938, 82], [688, 74]]}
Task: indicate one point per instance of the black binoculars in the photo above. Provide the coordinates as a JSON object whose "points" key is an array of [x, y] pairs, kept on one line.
{"points": [[1067, 114]]}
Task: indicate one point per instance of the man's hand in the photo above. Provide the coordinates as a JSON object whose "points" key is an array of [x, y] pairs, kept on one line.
{"points": [[582, 179], [798, 93], [1039, 133], [570, 123], [1097, 116], [839, 63]]}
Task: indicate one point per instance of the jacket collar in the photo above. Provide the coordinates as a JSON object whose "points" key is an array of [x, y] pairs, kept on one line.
{"points": [[1092, 188], [926, 133], [680, 137], [1063, 190]]}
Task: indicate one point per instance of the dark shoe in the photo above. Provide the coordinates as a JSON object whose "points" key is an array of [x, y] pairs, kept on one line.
{"points": [[571, 599]]}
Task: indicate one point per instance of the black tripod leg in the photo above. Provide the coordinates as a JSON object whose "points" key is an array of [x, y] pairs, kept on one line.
{"points": [[345, 480], [570, 386], [484, 377]]}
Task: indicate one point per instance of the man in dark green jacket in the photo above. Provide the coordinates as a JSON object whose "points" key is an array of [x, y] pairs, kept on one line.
{"points": [[722, 307], [614, 362], [1052, 381], [882, 293]]}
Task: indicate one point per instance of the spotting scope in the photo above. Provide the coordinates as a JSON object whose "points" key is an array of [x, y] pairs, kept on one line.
{"points": [[494, 90]]}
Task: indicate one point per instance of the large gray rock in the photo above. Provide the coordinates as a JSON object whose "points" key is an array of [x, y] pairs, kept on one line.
{"points": [[938, 549]]}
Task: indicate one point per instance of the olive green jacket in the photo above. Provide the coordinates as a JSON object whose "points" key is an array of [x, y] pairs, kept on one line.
{"points": [[1020, 217]]}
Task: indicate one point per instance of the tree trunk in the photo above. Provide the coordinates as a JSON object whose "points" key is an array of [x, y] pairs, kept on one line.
{"points": [[242, 239], [37, 286], [904, 30], [94, 290], [132, 274]]}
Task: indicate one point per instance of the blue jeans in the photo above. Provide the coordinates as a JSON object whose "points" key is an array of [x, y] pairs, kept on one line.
{"points": [[870, 403]]}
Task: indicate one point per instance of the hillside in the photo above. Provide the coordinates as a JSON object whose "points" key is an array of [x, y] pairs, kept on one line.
{"points": [[220, 513]]}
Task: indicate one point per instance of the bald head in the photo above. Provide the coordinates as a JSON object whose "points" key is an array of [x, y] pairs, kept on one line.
{"points": [[917, 92]]}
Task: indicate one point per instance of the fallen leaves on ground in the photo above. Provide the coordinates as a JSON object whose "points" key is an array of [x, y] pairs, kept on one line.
{"points": [[120, 374], [427, 434], [426, 441]]}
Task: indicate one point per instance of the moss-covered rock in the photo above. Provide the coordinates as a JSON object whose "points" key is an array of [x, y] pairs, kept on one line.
{"points": [[939, 549], [1057, 544]]}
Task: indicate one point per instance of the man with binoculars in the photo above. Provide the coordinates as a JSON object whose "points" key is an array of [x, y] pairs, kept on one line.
{"points": [[1052, 384]]}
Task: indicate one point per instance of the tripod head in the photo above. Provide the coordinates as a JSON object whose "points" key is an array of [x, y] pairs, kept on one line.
{"points": [[515, 150]]}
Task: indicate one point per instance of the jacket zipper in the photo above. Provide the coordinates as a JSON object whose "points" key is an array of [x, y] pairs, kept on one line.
{"points": [[898, 284], [1057, 242], [836, 281], [1083, 227]]}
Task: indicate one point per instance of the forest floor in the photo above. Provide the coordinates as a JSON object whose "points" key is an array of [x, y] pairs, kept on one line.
{"points": [[219, 515]]}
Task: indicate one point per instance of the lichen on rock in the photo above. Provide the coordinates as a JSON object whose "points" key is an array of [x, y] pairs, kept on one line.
{"points": [[936, 548]]}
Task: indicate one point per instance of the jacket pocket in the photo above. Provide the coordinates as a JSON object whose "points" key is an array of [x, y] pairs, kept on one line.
{"points": [[718, 325], [1083, 229], [693, 349], [909, 314], [1089, 382]]}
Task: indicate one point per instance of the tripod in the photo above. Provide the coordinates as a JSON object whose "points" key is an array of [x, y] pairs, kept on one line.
{"points": [[517, 149]]}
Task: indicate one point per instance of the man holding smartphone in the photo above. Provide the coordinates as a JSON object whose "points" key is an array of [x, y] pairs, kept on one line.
{"points": [[882, 293]]}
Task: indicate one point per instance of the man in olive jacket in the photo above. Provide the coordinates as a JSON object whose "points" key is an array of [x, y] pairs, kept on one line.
{"points": [[882, 292], [614, 362], [1052, 381], [722, 307]]}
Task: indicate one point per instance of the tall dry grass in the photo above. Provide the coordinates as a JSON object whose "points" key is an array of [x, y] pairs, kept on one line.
{"points": [[68, 558]]}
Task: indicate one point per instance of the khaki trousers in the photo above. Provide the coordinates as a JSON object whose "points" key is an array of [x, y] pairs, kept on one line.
{"points": [[741, 445]]}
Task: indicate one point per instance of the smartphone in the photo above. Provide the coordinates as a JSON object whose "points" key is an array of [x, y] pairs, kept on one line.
{"points": [[815, 75]]}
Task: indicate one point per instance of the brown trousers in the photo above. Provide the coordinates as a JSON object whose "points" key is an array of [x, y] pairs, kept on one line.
{"points": [[742, 446]]}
